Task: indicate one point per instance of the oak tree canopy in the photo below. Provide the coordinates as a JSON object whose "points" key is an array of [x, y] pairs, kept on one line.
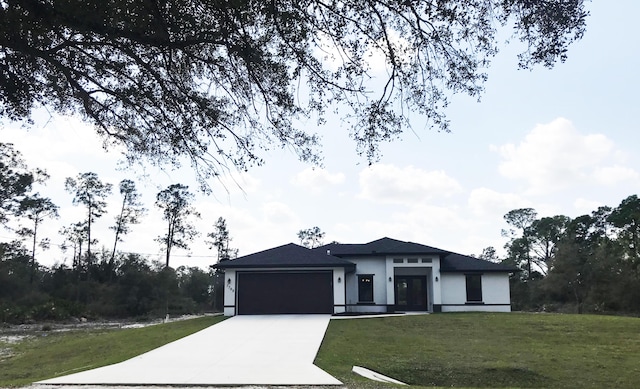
{"points": [[221, 81]]}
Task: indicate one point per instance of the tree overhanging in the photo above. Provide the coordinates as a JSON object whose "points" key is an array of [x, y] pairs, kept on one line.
{"points": [[218, 82]]}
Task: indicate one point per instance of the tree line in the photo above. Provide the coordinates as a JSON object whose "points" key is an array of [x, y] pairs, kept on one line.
{"points": [[590, 263], [100, 282]]}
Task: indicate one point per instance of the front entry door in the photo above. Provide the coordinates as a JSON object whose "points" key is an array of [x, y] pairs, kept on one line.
{"points": [[411, 293]]}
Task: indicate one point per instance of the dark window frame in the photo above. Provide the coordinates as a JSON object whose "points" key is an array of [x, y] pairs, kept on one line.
{"points": [[365, 288], [473, 283]]}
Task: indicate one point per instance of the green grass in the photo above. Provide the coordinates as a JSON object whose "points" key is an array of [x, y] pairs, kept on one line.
{"points": [[487, 350], [461, 350], [51, 354]]}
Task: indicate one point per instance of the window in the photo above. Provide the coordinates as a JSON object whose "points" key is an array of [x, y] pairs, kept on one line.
{"points": [[474, 288], [398, 260], [365, 288], [412, 260]]}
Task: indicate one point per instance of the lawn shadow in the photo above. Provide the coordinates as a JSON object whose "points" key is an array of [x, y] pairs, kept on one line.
{"points": [[470, 376]]}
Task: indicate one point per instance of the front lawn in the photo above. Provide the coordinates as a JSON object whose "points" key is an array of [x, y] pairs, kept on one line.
{"points": [[49, 354], [487, 350], [461, 350]]}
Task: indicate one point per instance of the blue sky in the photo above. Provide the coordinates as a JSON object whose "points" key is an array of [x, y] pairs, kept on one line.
{"points": [[562, 141]]}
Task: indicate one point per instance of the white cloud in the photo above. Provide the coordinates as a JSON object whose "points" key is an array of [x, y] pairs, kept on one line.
{"points": [[485, 202], [554, 156], [409, 185], [278, 213], [316, 180], [614, 174], [448, 228], [584, 206]]}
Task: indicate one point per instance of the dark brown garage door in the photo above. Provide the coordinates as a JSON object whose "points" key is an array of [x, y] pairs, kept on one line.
{"points": [[285, 292]]}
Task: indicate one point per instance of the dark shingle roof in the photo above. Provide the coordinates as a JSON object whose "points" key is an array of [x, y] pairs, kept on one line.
{"points": [[293, 255], [382, 246], [289, 255], [456, 263], [450, 262]]}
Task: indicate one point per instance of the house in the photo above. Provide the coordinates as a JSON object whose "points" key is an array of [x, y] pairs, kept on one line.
{"points": [[385, 275]]}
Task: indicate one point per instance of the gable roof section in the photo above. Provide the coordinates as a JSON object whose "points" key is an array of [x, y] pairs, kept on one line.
{"points": [[458, 263], [289, 255], [384, 246], [450, 262]]}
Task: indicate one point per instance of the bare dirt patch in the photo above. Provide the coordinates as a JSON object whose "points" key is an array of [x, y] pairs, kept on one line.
{"points": [[16, 333]]}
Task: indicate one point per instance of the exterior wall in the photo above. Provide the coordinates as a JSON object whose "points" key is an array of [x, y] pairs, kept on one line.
{"points": [[229, 292], [454, 290], [374, 266], [436, 282], [384, 270], [446, 291], [495, 293], [339, 283], [230, 282], [476, 308], [425, 265], [497, 290]]}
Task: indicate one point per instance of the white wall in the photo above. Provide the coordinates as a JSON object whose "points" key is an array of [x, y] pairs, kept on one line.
{"points": [[375, 266], [454, 289], [383, 289], [339, 297], [495, 290], [229, 292], [436, 285]]}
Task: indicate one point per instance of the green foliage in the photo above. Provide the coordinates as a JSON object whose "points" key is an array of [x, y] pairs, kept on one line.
{"points": [[90, 192], [133, 289], [16, 180], [311, 237], [486, 350], [195, 284], [626, 219], [175, 204], [56, 353], [130, 213], [587, 264], [221, 82], [36, 209], [220, 239], [102, 284]]}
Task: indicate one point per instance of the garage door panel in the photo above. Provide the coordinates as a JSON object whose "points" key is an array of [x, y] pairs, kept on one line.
{"points": [[285, 292]]}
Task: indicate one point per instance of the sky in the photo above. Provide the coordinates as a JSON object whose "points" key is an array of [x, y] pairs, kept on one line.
{"points": [[562, 141]]}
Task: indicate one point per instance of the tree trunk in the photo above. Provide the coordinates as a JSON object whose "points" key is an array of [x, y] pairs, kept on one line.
{"points": [[33, 253], [166, 264], [169, 243], [115, 243], [89, 245]]}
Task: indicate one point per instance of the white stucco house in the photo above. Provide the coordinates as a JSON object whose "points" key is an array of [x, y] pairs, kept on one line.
{"points": [[385, 275]]}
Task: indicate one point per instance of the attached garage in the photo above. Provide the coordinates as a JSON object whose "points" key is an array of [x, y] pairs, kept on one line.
{"points": [[290, 292], [289, 279]]}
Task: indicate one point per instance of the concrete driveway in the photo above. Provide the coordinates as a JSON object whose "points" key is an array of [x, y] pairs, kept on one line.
{"points": [[242, 350]]}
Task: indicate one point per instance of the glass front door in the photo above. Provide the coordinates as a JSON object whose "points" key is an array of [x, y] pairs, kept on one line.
{"points": [[411, 293]]}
